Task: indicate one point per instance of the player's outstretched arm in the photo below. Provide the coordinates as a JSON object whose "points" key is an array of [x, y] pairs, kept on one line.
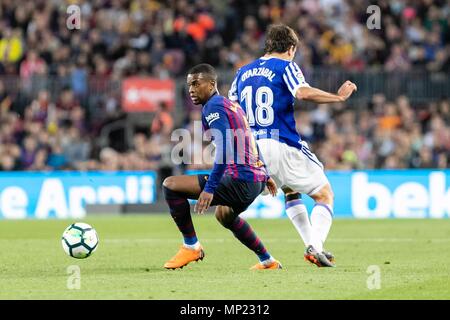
{"points": [[320, 96]]}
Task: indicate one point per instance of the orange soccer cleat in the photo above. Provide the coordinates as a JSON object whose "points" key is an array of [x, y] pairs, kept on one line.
{"points": [[183, 257], [273, 265]]}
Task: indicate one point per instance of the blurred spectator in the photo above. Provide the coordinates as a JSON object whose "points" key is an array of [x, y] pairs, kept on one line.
{"points": [[39, 107], [75, 148], [57, 160], [40, 161], [29, 151], [79, 76], [7, 163], [109, 160], [162, 122], [33, 64], [5, 99], [11, 45], [390, 119]]}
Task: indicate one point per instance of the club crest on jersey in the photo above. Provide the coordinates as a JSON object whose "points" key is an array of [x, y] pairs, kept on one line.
{"points": [[299, 75], [210, 118]]}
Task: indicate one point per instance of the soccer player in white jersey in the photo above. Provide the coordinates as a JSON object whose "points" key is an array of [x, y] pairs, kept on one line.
{"points": [[266, 89]]}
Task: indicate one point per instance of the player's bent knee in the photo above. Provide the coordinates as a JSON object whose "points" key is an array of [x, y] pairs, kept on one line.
{"points": [[325, 195], [329, 194], [169, 182], [168, 189], [225, 216], [330, 200], [325, 198], [220, 216]]}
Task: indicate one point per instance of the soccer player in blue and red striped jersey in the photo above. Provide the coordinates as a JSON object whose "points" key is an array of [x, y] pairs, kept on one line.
{"points": [[237, 178]]}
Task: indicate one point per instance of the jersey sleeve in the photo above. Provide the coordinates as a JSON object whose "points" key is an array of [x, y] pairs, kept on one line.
{"points": [[294, 78], [218, 122], [232, 93]]}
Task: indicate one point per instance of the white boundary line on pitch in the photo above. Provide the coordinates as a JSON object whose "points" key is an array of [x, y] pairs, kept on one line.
{"points": [[280, 240], [231, 239]]}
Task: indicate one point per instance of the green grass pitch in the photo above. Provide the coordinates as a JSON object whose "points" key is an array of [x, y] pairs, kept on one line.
{"points": [[412, 256]]}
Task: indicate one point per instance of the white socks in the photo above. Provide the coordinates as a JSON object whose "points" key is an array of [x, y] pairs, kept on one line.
{"points": [[298, 214], [321, 220], [315, 232], [267, 261], [195, 246]]}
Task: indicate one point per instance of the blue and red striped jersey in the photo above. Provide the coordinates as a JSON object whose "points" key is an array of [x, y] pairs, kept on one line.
{"points": [[237, 153]]}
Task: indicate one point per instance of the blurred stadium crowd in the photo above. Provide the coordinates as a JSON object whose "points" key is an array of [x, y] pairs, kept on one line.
{"points": [[44, 129]]}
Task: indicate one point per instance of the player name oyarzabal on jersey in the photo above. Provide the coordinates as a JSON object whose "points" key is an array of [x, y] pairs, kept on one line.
{"points": [[263, 72]]}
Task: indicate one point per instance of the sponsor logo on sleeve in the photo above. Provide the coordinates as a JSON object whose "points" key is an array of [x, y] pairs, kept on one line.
{"points": [[210, 118]]}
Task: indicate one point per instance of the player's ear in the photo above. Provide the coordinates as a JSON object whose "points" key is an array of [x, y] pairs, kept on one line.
{"points": [[292, 51]]}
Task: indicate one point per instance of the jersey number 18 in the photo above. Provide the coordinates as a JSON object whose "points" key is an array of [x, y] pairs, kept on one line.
{"points": [[263, 113]]}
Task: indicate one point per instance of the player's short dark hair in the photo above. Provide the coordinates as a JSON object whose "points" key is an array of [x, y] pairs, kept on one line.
{"points": [[207, 69], [280, 38]]}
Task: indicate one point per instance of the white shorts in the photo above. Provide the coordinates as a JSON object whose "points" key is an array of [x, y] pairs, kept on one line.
{"points": [[300, 170]]}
